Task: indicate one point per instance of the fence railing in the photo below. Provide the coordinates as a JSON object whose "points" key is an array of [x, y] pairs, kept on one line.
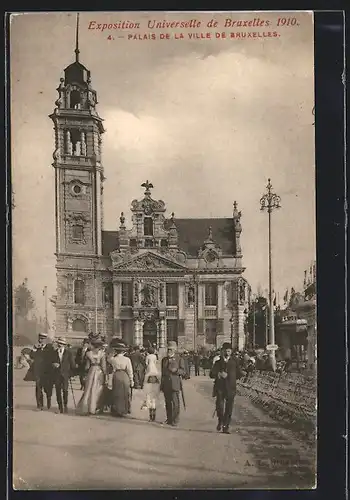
{"points": [[288, 397]]}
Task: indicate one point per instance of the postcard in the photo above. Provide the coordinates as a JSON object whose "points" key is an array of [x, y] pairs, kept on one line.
{"points": [[164, 250]]}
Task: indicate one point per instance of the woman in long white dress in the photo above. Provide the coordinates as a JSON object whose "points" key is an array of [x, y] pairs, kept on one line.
{"points": [[152, 384], [91, 401], [122, 380]]}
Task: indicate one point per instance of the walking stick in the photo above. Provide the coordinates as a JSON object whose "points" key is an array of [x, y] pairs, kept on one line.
{"points": [[71, 386]]}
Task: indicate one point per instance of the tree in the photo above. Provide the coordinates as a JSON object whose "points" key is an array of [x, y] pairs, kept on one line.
{"points": [[24, 301]]}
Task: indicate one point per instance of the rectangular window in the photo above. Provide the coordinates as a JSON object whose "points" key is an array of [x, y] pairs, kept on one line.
{"points": [[77, 232], [126, 294], [210, 331], [211, 294], [148, 226], [79, 291], [172, 294], [172, 330]]}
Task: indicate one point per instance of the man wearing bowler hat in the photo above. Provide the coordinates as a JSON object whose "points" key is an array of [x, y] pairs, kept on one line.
{"points": [[226, 371], [173, 368], [63, 367]]}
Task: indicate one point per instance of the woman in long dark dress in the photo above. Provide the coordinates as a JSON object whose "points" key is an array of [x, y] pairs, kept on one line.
{"points": [[122, 380]]}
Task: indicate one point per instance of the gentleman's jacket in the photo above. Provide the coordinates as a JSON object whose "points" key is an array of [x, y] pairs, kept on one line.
{"points": [[67, 366], [41, 366], [172, 371], [226, 386]]}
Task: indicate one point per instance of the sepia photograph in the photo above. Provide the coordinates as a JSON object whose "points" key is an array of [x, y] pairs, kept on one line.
{"points": [[163, 250]]}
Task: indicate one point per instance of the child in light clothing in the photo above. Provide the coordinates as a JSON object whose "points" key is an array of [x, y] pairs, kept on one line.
{"points": [[151, 384]]}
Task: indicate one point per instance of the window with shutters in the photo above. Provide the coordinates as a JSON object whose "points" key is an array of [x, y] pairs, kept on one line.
{"points": [[211, 294], [172, 294], [126, 294], [172, 330]]}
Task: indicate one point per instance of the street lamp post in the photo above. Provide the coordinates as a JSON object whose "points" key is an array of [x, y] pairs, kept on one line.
{"points": [[268, 202]]}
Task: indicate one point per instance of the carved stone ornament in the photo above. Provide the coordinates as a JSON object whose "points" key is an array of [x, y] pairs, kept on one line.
{"points": [[78, 218], [148, 262], [242, 291], [148, 315], [147, 205]]}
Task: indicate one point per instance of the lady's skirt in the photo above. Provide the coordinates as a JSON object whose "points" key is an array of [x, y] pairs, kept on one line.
{"points": [[91, 400], [121, 393]]}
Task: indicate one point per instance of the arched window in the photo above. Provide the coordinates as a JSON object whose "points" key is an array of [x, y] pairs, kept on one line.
{"points": [[75, 99], [79, 291], [79, 325]]}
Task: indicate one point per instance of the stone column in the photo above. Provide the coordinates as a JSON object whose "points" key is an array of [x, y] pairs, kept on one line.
{"points": [[240, 327], [69, 321], [162, 336], [83, 144], [200, 300], [220, 300], [138, 335], [181, 300]]}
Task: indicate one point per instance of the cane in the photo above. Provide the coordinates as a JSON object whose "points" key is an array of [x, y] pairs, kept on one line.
{"points": [[71, 386]]}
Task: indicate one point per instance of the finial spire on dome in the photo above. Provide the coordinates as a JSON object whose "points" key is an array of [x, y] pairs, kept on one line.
{"points": [[77, 51]]}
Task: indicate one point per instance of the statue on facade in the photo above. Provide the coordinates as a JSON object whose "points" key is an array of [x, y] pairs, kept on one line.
{"points": [[190, 295], [148, 293], [241, 292]]}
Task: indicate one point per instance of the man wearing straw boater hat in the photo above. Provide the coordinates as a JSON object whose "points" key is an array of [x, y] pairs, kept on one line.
{"points": [[173, 368], [63, 364]]}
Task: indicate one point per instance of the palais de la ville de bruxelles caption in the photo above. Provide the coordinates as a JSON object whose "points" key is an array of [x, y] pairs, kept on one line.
{"points": [[156, 323]]}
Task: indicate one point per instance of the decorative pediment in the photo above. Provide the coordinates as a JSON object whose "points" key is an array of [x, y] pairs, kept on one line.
{"points": [[149, 261], [148, 206]]}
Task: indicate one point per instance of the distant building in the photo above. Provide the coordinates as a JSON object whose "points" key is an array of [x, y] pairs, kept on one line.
{"points": [[160, 279], [297, 330]]}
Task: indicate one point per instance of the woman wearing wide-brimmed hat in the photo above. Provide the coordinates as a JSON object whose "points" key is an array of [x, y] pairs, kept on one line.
{"points": [[122, 380], [91, 401]]}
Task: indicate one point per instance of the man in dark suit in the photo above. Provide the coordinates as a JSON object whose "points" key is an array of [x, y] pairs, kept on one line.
{"points": [[226, 371], [41, 371], [63, 364], [173, 369], [80, 361]]}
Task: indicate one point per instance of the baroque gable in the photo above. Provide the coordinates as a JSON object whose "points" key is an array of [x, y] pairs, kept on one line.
{"points": [[146, 262]]}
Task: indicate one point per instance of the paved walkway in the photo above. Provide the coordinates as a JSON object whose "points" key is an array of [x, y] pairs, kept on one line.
{"points": [[53, 451]]}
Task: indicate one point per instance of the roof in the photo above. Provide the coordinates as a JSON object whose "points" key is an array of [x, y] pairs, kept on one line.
{"points": [[191, 235], [76, 73]]}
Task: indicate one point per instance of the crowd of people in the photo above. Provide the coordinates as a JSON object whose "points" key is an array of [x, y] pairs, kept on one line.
{"points": [[110, 372]]}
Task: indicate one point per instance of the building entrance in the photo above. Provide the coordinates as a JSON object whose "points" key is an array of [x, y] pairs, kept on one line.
{"points": [[149, 333]]}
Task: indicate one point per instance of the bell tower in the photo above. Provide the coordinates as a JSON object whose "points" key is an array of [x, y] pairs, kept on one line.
{"points": [[77, 163], [78, 202]]}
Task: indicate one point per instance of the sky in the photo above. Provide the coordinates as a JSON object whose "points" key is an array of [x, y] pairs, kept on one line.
{"points": [[207, 121]]}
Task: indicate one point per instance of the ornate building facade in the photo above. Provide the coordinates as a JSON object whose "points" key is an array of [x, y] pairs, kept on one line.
{"points": [[161, 279]]}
